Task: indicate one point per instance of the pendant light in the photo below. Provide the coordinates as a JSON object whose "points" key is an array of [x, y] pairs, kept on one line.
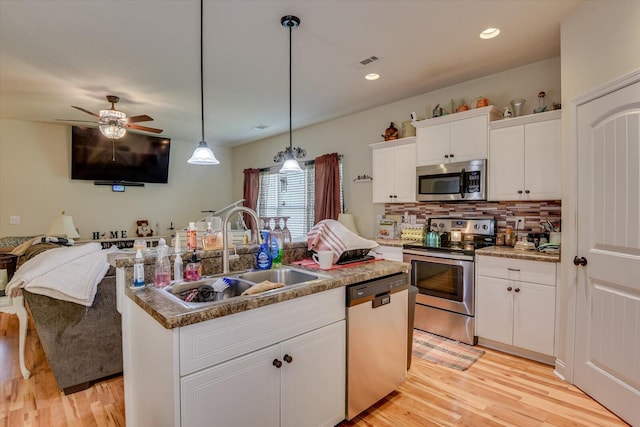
{"points": [[290, 154], [202, 155]]}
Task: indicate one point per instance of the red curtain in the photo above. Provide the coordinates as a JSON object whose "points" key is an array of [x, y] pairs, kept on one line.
{"points": [[327, 187], [251, 190]]}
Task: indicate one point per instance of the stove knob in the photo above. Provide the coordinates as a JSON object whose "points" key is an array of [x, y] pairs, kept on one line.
{"points": [[476, 226], [485, 227], [441, 225]]}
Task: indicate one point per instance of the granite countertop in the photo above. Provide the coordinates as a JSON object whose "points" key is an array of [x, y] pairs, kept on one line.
{"points": [[171, 314], [509, 252]]}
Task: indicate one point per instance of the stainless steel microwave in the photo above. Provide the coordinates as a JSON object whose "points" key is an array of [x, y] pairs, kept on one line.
{"points": [[452, 181]]}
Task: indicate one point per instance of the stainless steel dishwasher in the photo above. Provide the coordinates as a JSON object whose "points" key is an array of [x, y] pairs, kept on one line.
{"points": [[377, 315]]}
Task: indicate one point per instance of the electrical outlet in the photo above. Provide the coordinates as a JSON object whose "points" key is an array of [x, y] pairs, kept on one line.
{"points": [[520, 222], [14, 220]]}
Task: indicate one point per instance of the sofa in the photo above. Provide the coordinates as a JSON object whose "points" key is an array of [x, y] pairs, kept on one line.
{"points": [[82, 344]]}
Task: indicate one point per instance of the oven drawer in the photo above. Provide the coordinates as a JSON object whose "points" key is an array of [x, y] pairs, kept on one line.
{"points": [[521, 270]]}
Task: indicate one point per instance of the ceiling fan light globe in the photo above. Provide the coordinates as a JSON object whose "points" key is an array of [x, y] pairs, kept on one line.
{"points": [[290, 166], [112, 130], [112, 114], [203, 155]]}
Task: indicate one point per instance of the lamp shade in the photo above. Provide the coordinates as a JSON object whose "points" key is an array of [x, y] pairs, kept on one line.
{"points": [[203, 155], [290, 166], [62, 226]]}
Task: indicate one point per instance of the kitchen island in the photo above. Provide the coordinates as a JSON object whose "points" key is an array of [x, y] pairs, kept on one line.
{"points": [[272, 359]]}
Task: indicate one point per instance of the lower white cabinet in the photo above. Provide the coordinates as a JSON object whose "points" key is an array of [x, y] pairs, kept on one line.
{"points": [[297, 382], [516, 303]]}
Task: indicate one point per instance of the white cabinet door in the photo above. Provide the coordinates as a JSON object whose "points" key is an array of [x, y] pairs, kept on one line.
{"points": [[494, 314], [433, 145], [505, 163], [468, 139], [543, 160], [405, 173], [220, 395], [313, 377], [394, 174], [534, 317], [383, 169]]}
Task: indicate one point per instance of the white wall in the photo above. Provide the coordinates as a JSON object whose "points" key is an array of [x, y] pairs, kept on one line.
{"points": [[35, 184], [600, 42], [351, 135]]}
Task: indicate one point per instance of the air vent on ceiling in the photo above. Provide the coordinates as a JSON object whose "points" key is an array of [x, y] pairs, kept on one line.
{"points": [[261, 127], [369, 60]]}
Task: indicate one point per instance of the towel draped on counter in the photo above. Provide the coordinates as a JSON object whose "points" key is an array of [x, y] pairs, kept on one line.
{"points": [[330, 235]]}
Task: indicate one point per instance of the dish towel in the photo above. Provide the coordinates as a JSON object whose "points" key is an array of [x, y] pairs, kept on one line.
{"points": [[330, 235], [68, 273]]}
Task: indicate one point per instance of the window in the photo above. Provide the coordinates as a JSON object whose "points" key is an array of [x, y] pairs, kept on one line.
{"points": [[290, 195]]}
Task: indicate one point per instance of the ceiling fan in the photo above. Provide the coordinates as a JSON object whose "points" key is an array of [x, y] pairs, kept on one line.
{"points": [[113, 123]]}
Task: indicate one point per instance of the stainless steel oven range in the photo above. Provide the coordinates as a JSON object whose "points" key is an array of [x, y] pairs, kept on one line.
{"points": [[444, 275]]}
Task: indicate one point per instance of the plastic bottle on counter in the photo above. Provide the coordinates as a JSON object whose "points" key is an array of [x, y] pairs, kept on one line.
{"points": [[177, 268], [192, 236], [276, 252], [162, 272], [209, 239], [263, 259], [138, 270], [194, 266]]}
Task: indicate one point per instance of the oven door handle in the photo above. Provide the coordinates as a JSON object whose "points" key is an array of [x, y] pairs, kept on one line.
{"points": [[463, 190]]}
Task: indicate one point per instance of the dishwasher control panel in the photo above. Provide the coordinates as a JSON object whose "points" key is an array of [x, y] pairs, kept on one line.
{"points": [[376, 289]]}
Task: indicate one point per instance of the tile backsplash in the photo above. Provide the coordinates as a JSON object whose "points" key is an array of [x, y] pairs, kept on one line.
{"points": [[503, 212]]}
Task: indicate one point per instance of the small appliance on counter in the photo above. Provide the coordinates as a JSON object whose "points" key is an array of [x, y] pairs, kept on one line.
{"points": [[389, 226]]}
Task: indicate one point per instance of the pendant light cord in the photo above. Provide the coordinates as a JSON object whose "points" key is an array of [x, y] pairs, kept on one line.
{"points": [[290, 91], [201, 69]]}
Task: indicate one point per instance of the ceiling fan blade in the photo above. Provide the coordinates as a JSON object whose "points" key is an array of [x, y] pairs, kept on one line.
{"points": [[142, 118], [144, 128], [71, 120], [85, 111]]}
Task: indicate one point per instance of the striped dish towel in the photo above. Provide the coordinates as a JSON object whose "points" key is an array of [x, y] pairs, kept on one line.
{"points": [[330, 235]]}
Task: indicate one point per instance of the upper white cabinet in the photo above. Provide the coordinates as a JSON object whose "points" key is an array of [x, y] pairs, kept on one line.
{"points": [[525, 158], [455, 137], [394, 171]]}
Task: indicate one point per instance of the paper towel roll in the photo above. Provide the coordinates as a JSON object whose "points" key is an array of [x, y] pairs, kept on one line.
{"points": [[346, 219]]}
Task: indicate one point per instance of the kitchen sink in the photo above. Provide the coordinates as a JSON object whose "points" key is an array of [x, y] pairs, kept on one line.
{"points": [[287, 276], [239, 282]]}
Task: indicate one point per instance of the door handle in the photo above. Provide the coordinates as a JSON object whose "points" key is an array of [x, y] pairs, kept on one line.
{"points": [[462, 189], [580, 261]]}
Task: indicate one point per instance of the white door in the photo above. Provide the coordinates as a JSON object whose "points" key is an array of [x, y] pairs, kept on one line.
{"points": [[607, 340], [543, 160], [383, 170], [468, 139], [405, 173], [433, 145], [494, 309], [506, 163]]}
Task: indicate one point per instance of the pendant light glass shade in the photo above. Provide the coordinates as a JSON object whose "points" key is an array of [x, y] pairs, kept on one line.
{"points": [[203, 155], [290, 165]]}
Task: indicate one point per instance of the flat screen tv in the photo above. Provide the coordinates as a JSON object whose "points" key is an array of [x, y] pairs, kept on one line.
{"points": [[132, 158]]}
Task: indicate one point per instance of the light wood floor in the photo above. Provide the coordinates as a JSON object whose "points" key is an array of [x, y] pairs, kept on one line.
{"points": [[498, 390]]}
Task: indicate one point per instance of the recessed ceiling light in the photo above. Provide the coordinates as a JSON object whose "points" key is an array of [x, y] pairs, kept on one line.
{"points": [[372, 76], [489, 33]]}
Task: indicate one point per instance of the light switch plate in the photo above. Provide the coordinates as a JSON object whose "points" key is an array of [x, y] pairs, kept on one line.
{"points": [[14, 220]]}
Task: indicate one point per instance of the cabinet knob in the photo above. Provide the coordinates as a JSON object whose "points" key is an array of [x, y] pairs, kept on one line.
{"points": [[517, 289], [580, 261], [288, 358], [451, 155], [277, 363], [519, 191], [446, 156], [527, 191], [509, 288]]}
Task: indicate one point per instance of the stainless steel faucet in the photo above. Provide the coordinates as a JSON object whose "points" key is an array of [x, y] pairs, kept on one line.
{"points": [[225, 238]]}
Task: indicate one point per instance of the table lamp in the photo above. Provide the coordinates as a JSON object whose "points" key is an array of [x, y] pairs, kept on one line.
{"points": [[62, 226]]}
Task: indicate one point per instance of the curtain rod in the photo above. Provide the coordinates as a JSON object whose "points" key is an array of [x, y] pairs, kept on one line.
{"points": [[305, 163]]}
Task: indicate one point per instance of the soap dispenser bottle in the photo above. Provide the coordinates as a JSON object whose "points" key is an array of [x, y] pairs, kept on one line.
{"points": [[263, 259], [192, 236], [138, 271], [162, 272], [209, 239]]}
